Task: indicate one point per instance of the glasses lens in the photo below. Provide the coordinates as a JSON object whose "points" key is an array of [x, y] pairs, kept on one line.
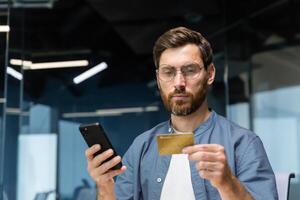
{"points": [[167, 73], [190, 71]]}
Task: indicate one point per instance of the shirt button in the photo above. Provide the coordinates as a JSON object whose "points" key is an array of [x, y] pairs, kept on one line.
{"points": [[158, 180]]}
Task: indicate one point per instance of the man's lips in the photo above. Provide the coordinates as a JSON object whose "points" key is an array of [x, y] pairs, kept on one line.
{"points": [[180, 96]]}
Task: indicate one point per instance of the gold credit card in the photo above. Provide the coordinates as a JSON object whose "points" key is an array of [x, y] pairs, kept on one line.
{"points": [[174, 143]]}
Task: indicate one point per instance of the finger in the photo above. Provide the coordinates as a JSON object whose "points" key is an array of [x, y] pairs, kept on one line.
{"points": [[205, 174], [105, 167], [203, 147], [102, 157], [105, 178], [113, 173], [203, 156], [89, 153], [210, 174], [208, 166]]}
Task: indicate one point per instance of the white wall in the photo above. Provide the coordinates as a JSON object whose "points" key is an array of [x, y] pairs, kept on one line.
{"points": [[36, 165]]}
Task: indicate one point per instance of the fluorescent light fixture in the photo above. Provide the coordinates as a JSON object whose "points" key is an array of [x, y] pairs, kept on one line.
{"points": [[151, 108], [13, 110], [28, 65], [62, 64], [2, 100], [88, 114], [19, 62], [111, 112], [14, 73], [16, 111], [89, 73], [128, 110], [4, 28], [119, 111]]}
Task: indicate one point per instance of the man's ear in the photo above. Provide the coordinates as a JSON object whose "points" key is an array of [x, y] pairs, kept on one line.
{"points": [[211, 72]]}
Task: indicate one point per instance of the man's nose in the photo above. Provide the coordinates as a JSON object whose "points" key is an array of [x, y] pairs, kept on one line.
{"points": [[179, 80]]}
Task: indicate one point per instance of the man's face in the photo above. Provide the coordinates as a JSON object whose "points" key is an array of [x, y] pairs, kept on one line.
{"points": [[183, 95]]}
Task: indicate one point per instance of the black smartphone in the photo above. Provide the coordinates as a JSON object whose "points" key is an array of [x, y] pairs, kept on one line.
{"points": [[95, 134]]}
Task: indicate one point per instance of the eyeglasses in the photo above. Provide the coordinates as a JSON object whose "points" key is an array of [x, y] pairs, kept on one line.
{"points": [[189, 72]]}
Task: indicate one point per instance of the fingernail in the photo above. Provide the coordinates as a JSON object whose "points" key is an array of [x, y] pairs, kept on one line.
{"points": [[97, 146], [110, 151]]}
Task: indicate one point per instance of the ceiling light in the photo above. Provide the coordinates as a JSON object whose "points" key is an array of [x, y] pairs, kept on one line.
{"points": [[111, 112], [62, 64], [4, 28], [128, 110], [13, 110], [14, 73], [87, 114], [120, 110], [16, 111], [89, 73], [28, 65], [19, 62]]}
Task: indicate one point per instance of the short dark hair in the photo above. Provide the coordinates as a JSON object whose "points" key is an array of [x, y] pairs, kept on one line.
{"points": [[181, 36]]}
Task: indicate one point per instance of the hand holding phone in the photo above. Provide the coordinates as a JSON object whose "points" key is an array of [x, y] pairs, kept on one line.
{"points": [[95, 134]]}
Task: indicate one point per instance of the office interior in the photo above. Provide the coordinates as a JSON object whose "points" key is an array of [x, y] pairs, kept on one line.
{"points": [[45, 45]]}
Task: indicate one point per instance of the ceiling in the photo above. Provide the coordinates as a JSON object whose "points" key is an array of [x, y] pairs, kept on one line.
{"points": [[122, 33]]}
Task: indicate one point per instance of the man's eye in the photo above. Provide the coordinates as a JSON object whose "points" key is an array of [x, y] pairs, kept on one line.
{"points": [[167, 71], [189, 70]]}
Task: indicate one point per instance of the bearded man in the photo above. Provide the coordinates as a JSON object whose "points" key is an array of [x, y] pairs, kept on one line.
{"points": [[226, 162]]}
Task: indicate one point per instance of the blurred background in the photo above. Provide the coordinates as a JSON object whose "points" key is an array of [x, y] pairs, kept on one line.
{"points": [[46, 44]]}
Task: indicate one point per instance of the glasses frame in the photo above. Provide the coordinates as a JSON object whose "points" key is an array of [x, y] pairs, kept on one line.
{"points": [[179, 70]]}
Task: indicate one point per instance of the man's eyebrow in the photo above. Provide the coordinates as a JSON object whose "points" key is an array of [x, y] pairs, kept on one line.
{"points": [[165, 65], [184, 65], [191, 63]]}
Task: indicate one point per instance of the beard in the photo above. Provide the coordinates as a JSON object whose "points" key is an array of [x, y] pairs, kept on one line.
{"points": [[187, 106]]}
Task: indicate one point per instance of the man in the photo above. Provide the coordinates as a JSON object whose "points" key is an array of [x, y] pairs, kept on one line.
{"points": [[227, 162]]}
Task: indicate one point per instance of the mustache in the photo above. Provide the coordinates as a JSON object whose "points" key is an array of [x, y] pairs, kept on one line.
{"points": [[177, 91], [180, 90]]}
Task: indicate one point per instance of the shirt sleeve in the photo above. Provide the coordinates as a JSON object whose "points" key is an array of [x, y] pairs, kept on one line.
{"points": [[255, 172], [124, 182], [127, 186]]}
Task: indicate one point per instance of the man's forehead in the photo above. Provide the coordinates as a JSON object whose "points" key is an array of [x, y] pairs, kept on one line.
{"points": [[181, 55]]}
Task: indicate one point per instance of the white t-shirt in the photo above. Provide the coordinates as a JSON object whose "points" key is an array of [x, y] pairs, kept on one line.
{"points": [[178, 182]]}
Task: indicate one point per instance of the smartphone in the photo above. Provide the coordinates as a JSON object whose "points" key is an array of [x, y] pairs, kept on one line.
{"points": [[95, 134]]}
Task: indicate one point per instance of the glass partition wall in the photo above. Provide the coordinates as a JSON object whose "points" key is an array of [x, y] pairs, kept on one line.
{"points": [[263, 90], [4, 33], [44, 152], [46, 155]]}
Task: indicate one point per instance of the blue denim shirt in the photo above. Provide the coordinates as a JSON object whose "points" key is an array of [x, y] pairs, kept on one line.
{"points": [[146, 169]]}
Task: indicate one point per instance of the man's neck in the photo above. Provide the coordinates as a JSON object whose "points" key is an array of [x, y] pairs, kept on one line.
{"points": [[190, 122]]}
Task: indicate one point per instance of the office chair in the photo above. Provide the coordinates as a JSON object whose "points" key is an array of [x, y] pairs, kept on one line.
{"points": [[283, 184], [43, 195], [85, 191]]}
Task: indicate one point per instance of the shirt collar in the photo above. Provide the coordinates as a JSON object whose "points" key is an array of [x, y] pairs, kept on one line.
{"points": [[202, 127]]}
